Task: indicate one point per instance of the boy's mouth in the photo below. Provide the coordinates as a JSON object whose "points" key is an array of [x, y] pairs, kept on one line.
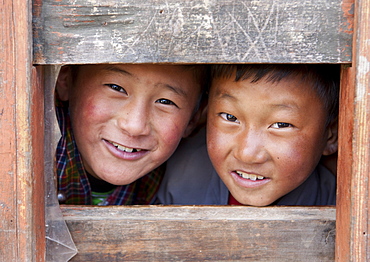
{"points": [[252, 177], [125, 149]]}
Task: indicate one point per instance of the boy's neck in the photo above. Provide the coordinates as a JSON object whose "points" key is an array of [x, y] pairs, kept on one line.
{"points": [[98, 185]]}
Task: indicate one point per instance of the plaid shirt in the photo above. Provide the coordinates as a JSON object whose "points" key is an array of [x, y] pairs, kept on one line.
{"points": [[72, 178]]}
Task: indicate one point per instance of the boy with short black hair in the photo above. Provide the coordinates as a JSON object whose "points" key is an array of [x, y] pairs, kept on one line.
{"points": [[267, 128], [119, 124]]}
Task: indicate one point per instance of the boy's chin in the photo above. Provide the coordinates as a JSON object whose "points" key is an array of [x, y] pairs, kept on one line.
{"points": [[123, 179], [257, 202]]}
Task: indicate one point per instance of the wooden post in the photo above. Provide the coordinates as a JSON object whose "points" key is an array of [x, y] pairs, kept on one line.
{"points": [[353, 205], [22, 227]]}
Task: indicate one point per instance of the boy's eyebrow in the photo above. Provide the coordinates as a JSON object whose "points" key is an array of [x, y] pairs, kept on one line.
{"points": [[224, 95], [175, 89], [285, 105], [117, 69]]}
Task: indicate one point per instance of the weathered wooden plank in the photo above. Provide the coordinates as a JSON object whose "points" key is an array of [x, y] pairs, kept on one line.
{"points": [[345, 158], [191, 233], [354, 154], [199, 31], [8, 203], [22, 225], [34, 167]]}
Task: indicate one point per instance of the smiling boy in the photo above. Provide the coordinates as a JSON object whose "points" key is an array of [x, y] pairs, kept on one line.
{"points": [[119, 124], [267, 128]]}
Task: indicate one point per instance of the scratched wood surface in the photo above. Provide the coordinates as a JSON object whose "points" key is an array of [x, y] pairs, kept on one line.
{"points": [[22, 227], [354, 153], [201, 31], [190, 233]]}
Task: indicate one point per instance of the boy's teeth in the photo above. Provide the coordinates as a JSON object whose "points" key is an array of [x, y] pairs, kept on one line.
{"points": [[126, 149], [249, 176]]}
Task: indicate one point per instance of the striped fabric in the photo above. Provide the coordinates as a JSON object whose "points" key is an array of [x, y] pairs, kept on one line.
{"points": [[72, 179]]}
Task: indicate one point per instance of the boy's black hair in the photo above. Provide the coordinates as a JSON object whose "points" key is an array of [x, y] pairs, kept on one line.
{"points": [[202, 75], [324, 78]]}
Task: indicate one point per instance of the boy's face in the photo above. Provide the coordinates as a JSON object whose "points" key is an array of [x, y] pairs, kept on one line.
{"points": [[128, 119], [264, 139]]}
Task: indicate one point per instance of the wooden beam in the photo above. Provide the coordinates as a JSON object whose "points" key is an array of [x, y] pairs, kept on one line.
{"points": [[199, 31], [345, 158], [22, 224], [353, 216], [195, 233]]}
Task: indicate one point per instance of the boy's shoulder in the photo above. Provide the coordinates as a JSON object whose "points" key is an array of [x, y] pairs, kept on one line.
{"points": [[319, 189]]}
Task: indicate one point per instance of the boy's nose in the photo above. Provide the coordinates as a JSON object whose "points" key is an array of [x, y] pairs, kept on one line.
{"points": [[251, 147], [134, 119]]}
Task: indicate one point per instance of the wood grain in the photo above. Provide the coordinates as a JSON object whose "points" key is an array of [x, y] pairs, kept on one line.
{"points": [[22, 223], [196, 233], [345, 159], [353, 215], [199, 31], [8, 168]]}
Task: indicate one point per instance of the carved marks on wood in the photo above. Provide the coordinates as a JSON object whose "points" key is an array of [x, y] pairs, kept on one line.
{"points": [[204, 31]]}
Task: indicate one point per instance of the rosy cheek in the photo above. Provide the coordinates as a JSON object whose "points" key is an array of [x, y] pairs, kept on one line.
{"points": [[303, 149], [218, 140], [171, 136], [216, 148], [296, 161], [94, 111], [90, 110]]}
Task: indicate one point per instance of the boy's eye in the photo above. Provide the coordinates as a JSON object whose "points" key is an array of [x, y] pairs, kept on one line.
{"points": [[117, 88], [165, 102], [229, 117], [280, 125]]}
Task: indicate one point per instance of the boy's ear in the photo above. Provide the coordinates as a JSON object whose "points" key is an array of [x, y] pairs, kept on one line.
{"points": [[196, 121], [332, 140], [63, 82]]}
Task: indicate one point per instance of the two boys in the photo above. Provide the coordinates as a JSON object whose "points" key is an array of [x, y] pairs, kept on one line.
{"points": [[119, 124], [267, 128]]}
